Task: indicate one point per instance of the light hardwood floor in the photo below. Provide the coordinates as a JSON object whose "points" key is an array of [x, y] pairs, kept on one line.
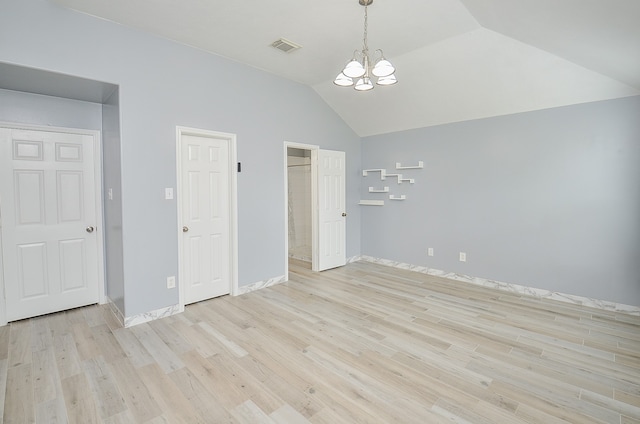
{"points": [[359, 344]]}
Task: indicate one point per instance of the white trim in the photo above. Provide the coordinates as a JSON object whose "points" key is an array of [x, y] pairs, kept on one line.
{"points": [[151, 315], [99, 230], [233, 205], [314, 203], [258, 285], [510, 287]]}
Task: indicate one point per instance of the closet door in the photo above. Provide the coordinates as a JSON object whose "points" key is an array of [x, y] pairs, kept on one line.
{"points": [[331, 209]]}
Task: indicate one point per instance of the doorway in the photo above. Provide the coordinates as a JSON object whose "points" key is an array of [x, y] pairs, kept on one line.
{"points": [[314, 179], [299, 204], [300, 181]]}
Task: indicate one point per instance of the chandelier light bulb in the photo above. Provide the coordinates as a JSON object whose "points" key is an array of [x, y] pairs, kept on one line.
{"points": [[354, 69], [388, 80], [383, 68], [343, 81], [364, 84]]}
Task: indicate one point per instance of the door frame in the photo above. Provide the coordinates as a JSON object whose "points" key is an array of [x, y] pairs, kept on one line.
{"points": [[233, 205], [314, 204], [99, 191]]}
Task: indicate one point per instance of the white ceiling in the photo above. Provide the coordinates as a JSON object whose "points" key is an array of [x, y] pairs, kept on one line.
{"points": [[456, 59]]}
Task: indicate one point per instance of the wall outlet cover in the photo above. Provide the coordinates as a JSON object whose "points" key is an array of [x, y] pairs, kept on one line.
{"points": [[171, 282]]}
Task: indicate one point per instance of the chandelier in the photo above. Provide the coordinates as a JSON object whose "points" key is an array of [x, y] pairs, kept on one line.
{"points": [[360, 68]]}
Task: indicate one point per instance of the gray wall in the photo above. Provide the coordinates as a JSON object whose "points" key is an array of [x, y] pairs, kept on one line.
{"points": [[547, 199], [111, 170], [27, 108], [164, 84]]}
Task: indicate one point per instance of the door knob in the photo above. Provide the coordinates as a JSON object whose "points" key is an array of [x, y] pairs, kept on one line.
{"points": [[90, 229], [344, 214], [185, 229]]}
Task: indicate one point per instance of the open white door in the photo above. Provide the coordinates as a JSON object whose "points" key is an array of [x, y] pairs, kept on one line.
{"points": [[49, 221], [331, 210]]}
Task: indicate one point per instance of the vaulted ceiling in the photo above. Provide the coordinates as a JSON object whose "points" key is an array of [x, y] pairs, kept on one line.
{"points": [[456, 59]]}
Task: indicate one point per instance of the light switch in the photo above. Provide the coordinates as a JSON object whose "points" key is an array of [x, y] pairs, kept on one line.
{"points": [[110, 193], [168, 193]]}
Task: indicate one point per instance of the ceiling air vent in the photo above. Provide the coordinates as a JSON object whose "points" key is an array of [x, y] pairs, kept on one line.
{"points": [[285, 45]]}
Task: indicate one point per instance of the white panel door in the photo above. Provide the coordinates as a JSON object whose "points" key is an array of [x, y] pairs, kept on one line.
{"points": [[331, 209], [205, 201], [47, 206]]}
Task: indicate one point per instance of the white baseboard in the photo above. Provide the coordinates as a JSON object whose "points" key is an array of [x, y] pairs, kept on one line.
{"points": [[304, 258], [261, 284], [151, 315]]}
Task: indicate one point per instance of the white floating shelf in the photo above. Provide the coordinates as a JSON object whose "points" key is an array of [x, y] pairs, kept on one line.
{"points": [[392, 197], [406, 180], [382, 172], [419, 166], [371, 202], [379, 190], [398, 176]]}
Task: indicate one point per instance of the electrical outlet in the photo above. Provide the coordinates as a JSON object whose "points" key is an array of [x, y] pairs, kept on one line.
{"points": [[430, 251], [463, 257], [171, 282]]}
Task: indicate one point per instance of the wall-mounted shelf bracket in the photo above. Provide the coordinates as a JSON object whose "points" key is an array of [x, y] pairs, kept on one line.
{"points": [[382, 172], [419, 166], [379, 190], [398, 176], [393, 197]]}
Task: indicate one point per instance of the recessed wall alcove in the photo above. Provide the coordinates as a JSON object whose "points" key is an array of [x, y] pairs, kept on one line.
{"points": [[38, 97]]}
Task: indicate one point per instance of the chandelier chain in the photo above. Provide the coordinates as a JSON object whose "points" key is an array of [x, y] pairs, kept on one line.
{"points": [[364, 41]]}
